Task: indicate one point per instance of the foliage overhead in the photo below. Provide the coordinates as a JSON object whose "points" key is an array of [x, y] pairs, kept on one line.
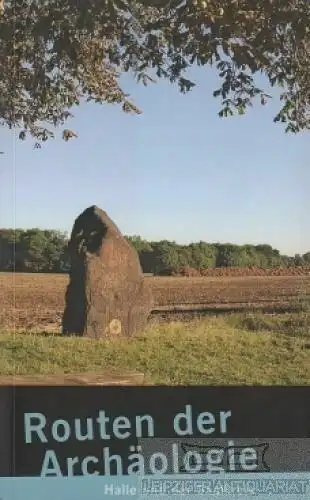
{"points": [[57, 53]]}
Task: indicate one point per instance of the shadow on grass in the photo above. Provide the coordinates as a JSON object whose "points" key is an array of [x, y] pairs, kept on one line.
{"points": [[294, 324], [44, 334], [185, 315]]}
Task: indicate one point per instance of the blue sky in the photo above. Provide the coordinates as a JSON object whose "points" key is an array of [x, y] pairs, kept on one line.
{"points": [[176, 172]]}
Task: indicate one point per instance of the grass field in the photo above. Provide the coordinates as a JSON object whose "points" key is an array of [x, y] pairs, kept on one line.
{"points": [[231, 350], [244, 348]]}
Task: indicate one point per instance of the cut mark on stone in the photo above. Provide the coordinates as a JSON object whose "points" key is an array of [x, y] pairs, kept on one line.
{"points": [[115, 327]]}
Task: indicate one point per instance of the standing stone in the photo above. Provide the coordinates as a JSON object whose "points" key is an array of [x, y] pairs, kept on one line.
{"points": [[107, 295]]}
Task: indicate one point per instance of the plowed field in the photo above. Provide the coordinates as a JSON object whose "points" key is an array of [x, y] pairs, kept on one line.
{"points": [[36, 301]]}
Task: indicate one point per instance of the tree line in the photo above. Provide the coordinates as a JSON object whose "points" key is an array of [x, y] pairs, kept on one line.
{"points": [[45, 251]]}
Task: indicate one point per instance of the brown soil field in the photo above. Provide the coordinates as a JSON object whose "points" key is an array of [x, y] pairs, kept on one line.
{"points": [[247, 271], [35, 302]]}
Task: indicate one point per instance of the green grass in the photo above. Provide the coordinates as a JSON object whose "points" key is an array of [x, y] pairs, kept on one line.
{"points": [[235, 349]]}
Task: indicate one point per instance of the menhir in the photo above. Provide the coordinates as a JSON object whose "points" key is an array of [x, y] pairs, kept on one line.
{"points": [[107, 294]]}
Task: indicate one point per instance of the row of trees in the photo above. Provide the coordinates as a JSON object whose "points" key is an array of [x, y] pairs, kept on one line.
{"points": [[33, 250], [36, 250]]}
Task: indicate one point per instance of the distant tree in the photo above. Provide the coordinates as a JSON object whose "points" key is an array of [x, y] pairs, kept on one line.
{"points": [[55, 251], [145, 251], [287, 261], [299, 260], [227, 255], [269, 256], [139, 244], [166, 258], [42, 250], [11, 256], [202, 255], [306, 258], [55, 55], [251, 257], [32, 250]]}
